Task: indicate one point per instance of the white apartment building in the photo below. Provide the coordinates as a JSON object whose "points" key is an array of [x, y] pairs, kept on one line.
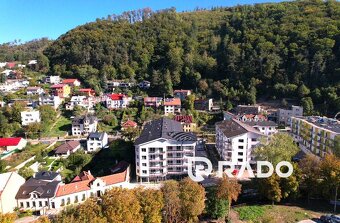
{"points": [[284, 115], [96, 141], [52, 80], [315, 134], [84, 125], [54, 101], [162, 150], [117, 101], [30, 116], [83, 101], [235, 141], [172, 106], [267, 128]]}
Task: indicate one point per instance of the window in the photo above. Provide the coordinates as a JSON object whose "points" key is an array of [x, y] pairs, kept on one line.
{"points": [[144, 171], [240, 153], [253, 139], [33, 203], [262, 128], [83, 199], [98, 184], [241, 140], [143, 149], [28, 204], [143, 164], [240, 147], [240, 160], [143, 157], [21, 204], [46, 203], [40, 203], [68, 200], [178, 161]]}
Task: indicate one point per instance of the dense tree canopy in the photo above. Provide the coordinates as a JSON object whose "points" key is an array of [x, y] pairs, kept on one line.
{"points": [[289, 49]]}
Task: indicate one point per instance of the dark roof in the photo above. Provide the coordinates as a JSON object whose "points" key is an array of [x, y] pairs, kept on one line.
{"points": [[120, 167], [234, 127], [164, 128], [67, 146], [44, 189], [96, 135], [82, 119], [45, 175], [261, 123]]}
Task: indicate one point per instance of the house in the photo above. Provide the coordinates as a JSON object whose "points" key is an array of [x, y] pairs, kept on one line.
{"points": [[84, 125], [182, 94], [13, 85], [54, 101], [83, 101], [87, 92], [27, 103], [154, 102], [10, 183], [267, 128], [34, 91], [172, 106], [10, 144], [52, 79], [86, 186], [61, 90], [129, 124], [203, 104], [144, 84], [248, 109], [71, 82], [186, 122], [285, 115], [37, 193], [235, 141], [117, 101], [30, 116], [119, 83], [162, 150], [96, 141], [67, 148], [315, 134], [251, 117]]}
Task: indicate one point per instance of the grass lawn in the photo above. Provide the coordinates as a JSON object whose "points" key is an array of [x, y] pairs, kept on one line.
{"points": [[26, 153], [287, 213], [62, 126]]}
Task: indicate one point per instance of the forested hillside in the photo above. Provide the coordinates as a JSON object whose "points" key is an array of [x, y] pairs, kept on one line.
{"points": [[289, 49]]}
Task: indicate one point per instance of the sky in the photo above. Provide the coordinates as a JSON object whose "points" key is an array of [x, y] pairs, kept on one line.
{"points": [[32, 19]]}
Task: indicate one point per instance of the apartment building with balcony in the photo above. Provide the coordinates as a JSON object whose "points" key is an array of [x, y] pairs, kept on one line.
{"points": [[84, 125], [162, 150], [235, 141], [315, 134]]}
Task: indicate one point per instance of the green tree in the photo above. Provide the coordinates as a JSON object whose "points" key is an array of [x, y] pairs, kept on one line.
{"points": [[303, 91], [26, 172], [308, 106], [216, 208], [270, 188]]}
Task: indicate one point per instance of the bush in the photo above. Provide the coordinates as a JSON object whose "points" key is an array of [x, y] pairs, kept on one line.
{"points": [[250, 213]]}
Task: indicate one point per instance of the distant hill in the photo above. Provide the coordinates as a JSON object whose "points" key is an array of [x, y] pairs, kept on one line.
{"points": [[288, 49]]}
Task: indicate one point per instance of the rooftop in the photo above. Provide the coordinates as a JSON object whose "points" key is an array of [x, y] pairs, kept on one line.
{"points": [[67, 146], [323, 122], [233, 127], [172, 101], [9, 141]]}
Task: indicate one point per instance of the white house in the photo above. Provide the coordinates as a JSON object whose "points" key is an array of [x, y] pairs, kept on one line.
{"points": [[34, 91], [84, 125], [172, 106], [162, 150], [30, 116], [52, 79], [285, 115], [235, 141], [54, 101], [10, 183], [117, 101], [86, 186], [83, 101], [96, 141]]}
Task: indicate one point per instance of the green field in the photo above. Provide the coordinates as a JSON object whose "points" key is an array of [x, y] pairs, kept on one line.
{"points": [[62, 126]]}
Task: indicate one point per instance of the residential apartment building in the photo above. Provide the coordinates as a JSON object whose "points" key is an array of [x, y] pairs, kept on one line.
{"points": [[187, 122], [117, 101], [96, 141], [172, 106], [10, 183], [52, 80], [84, 125], [267, 128], [153, 102], [54, 101], [285, 115], [162, 150], [315, 134], [71, 82], [235, 141], [30, 116], [82, 101], [61, 90]]}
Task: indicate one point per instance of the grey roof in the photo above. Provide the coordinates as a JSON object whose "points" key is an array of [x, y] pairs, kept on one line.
{"points": [[67, 146], [164, 128], [232, 128], [261, 123], [45, 189], [96, 135], [82, 119], [46, 175]]}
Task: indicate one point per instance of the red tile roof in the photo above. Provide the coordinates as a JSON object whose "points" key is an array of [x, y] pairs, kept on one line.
{"points": [[72, 188], [58, 86], [69, 81], [114, 178], [172, 101], [183, 118], [85, 175], [129, 123], [9, 141], [116, 97]]}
